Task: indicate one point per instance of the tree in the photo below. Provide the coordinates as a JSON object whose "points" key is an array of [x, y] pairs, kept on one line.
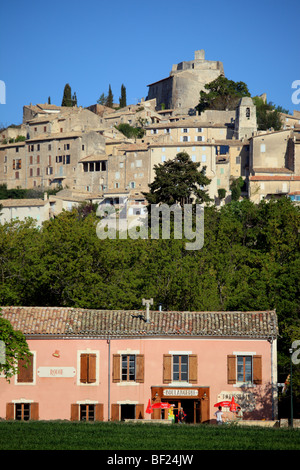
{"points": [[130, 132], [222, 94], [268, 116], [123, 97], [74, 99], [13, 348], [177, 181], [67, 96], [102, 100], [236, 188], [110, 98]]}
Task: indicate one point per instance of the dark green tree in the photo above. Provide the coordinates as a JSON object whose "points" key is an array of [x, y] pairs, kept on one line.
{"points": [[268, 116], [110, 98], [177, 181], [102, 99], [236, 188], [122, 98], [67, 96], [222, 94]]}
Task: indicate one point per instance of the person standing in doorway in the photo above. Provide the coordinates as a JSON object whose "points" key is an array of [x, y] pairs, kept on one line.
{"points": [[219, 415], [181, 416]]}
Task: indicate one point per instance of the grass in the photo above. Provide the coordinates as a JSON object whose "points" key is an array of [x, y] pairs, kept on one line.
{"points": [[65, 435]]}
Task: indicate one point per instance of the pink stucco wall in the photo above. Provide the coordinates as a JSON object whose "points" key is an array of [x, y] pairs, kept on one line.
{"points": [[55, 395]]}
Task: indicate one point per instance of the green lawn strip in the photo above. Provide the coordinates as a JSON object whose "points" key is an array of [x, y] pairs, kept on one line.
{"points": [[42, 435]]}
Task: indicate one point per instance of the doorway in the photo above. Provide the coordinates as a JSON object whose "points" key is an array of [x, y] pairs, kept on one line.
{"points": [[127, 412]]}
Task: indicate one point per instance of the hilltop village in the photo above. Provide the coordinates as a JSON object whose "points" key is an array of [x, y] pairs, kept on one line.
{"points": [[213, 340], [81, 151]]}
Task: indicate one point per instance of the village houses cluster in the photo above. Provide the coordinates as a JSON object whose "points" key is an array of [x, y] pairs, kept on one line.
{"points": [[118, 365], [81, 151]]}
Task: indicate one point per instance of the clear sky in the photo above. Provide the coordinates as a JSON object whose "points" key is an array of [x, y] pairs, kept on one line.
{"points": [[91, 44]]}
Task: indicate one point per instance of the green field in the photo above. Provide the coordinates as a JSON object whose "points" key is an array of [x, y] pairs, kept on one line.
{"points": [[64, 435]]}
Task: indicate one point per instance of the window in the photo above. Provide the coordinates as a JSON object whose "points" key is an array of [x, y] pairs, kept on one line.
{"points": [[87, 412], [248, 113], [38, 159], [185, 130], [262, 148], [88, 368], [200, 129], [132, 184], [49, 146], [180, 368], [68, 159], [185, 138], [25, 367], [244, 368], [22, 411], [38, 147], [66, 146], [128, 368]]}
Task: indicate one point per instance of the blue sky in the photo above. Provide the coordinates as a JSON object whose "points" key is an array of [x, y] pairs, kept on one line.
{"points": [[91, 44]]}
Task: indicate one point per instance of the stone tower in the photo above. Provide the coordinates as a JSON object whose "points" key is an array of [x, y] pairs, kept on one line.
{"points": [[245, 119], [180, 91]]}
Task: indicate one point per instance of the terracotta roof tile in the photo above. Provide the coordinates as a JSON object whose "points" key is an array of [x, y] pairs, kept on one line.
{"points": [[74, 322]]}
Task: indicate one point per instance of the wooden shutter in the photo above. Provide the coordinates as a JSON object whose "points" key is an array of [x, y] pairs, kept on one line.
{"points": [[257, 370], [139, 411], [193, 366], [115, 412], [167, 368], [139, 362], [25, 374], [91, 368], [74, 412], [34, 411], [88, 368], [231, 369], [83, 368], [10, 411], [99, 412], [116, 368]]}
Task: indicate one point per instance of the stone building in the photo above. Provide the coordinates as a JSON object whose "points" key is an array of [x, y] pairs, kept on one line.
{"points": [[274, 164], [180, 91]]}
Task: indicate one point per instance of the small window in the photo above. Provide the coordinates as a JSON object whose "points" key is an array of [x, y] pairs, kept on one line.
{"points": [[262, 148], [244, 368], [87, 412], [248, 113], [180, 368], [22, 411], [128, 367]]}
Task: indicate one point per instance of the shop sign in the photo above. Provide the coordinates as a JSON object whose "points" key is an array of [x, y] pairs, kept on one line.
{"points": [[173, 392], [63, 372]]}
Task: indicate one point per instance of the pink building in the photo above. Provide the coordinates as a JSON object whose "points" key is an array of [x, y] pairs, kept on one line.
{"points": [[107, 365]]}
